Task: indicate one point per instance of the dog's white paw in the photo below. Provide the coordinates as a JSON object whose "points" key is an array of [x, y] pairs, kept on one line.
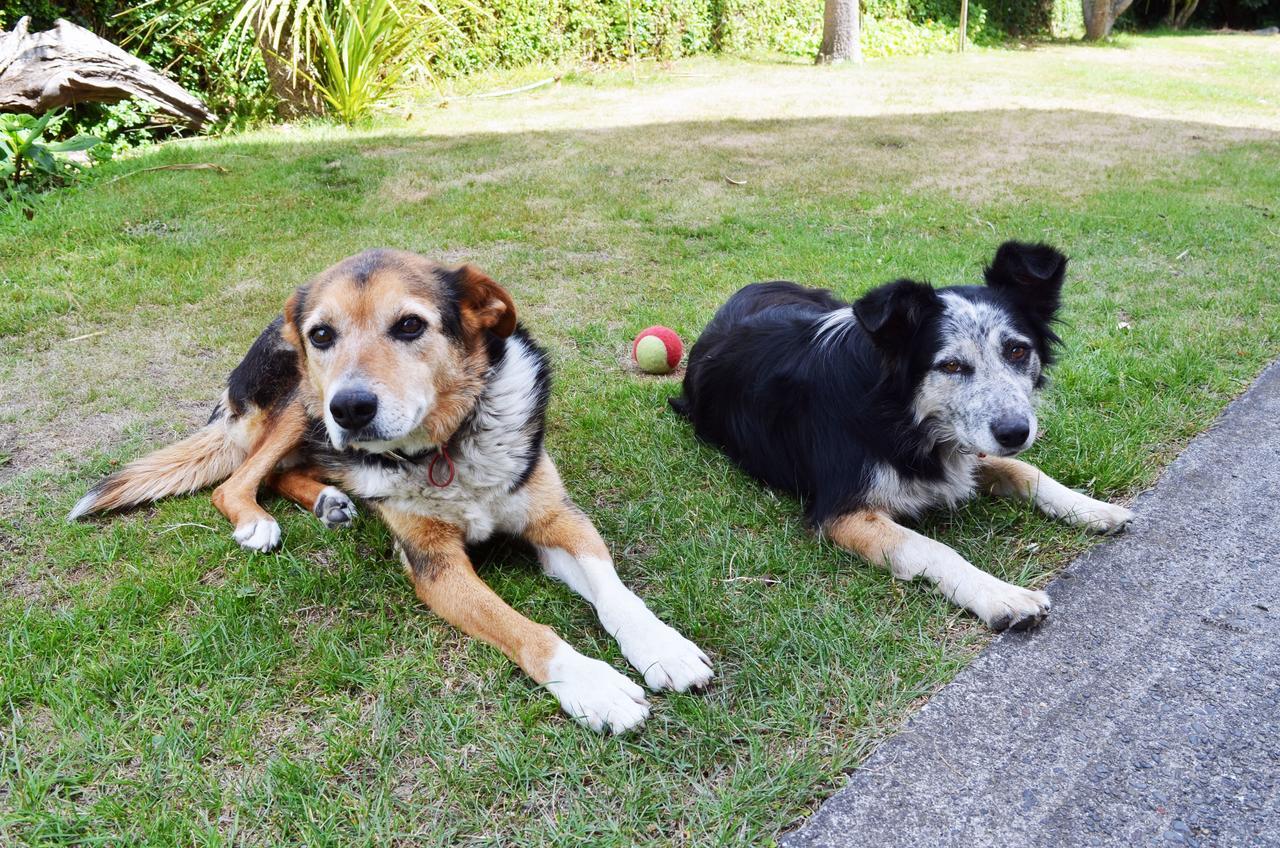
{"points": [[334, 508], [594, 694], [666, 659], [262, 535], [1099, 516], [1009, 607]]}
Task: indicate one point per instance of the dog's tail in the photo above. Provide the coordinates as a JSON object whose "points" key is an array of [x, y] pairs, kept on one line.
{"points": [[207, 457]]}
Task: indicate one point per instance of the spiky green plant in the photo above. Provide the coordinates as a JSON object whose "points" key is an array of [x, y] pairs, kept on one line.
{"points": [[364, 48], [351, 53]]}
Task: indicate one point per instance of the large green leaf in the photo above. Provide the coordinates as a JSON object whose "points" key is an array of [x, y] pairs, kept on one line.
{"points": [[75, 144]]}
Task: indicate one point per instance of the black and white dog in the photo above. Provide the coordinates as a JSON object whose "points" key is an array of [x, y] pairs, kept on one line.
{"points": [[908, 399]]}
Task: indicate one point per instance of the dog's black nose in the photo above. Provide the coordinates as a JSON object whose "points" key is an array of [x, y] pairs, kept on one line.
{"points": [[353, 408], [1011, 431]]}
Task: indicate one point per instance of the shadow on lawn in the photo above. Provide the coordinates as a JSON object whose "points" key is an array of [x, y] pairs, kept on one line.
{"points": [[973, 156]]}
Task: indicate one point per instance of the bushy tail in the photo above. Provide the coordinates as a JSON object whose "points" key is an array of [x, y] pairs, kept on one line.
{"points": [[200, 460]]}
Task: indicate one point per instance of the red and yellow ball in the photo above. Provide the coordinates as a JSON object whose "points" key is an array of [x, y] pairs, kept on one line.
{"points": [[657, 350]]}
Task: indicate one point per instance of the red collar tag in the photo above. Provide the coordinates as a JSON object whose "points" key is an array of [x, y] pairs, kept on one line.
{"points": [[442, 452]]}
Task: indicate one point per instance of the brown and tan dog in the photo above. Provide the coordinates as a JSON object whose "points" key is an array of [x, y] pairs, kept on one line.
{"points": [[413, 387]]}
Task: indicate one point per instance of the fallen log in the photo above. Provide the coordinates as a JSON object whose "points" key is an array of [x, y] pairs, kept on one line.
{"points": [[68, 64]]}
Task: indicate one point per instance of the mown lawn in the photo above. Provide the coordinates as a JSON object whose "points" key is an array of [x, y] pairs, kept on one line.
{"points": [[160, 686]]}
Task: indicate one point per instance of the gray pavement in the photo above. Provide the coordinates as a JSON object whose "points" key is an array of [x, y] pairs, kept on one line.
{"points": [[1146, 711]]}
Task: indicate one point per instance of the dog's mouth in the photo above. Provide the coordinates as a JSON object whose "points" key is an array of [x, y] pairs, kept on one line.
{"points": [[389, 432], [368, 439], [414, 441], [983, 453]]}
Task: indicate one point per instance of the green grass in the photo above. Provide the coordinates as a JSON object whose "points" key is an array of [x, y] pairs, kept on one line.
{"points": [[160, 686]]}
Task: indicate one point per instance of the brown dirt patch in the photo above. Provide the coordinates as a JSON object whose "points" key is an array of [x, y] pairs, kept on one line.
{"points": [[153, 372]]}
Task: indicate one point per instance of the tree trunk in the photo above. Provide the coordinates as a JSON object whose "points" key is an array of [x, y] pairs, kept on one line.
{"points": [[841, 40], [1184, 16], [1100, 16]]}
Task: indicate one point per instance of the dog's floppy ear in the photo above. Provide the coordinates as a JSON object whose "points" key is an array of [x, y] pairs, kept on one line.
{"points": [[485, 305], [1031, 274], [892, 313], [294, 307]]}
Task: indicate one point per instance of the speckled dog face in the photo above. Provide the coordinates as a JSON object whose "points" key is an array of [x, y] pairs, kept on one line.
{"points": [[974, 355], [393, 346], [979, 391]]}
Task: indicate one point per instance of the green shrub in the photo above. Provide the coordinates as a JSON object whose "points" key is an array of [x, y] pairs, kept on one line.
{"points": [[1030, 18], [31, 161], [513, 33], [521, 32], [786, 26]]}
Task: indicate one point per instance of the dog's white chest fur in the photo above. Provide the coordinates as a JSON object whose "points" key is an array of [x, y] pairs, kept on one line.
{"points": [[470, 501], [907, 496], [488, 460]]}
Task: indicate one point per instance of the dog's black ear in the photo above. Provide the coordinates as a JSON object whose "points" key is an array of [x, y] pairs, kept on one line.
{"points": [[892, 313], [1031, 274]]}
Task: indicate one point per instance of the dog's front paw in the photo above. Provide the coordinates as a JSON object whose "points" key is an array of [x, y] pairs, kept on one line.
{"points": [[1099, 516], [666, 659], [334, 508], [1013, 608], [594, 694], [261, 534]]}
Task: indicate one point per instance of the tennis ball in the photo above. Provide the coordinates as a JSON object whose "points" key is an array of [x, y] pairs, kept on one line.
{"points": [[657, 350]]}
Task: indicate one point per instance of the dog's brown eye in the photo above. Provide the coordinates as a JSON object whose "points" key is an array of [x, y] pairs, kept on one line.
{"points": [[1016, 352], [951, 366], [408, 328], [321, 337]]}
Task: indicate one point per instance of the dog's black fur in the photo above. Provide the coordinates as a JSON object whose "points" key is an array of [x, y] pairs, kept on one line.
{"points": [[815, 416]]}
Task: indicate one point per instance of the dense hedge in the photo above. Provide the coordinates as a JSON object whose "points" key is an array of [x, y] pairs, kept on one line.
{"points": [[513, 33]]}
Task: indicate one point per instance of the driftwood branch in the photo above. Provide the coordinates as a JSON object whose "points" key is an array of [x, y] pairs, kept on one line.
{"points": [[180, 166], [68, 64], [530, 87]]}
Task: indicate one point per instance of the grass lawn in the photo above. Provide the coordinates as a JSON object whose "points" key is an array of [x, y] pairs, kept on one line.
{"points": [[160, 686]]}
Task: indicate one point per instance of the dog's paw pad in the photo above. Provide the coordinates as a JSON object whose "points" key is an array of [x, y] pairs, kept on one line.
{"points": [[594, 694], [334, 508], [1018, 609], [261, 535], [668, 660]]}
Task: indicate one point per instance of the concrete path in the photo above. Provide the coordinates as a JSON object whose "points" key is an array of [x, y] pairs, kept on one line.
{"points": [[1145, 712]]}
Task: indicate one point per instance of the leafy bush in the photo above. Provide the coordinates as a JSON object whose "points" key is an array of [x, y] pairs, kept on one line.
{"points": [[31, 162], [896, 36], [786, 26], [512, 33], [520, 32]]}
